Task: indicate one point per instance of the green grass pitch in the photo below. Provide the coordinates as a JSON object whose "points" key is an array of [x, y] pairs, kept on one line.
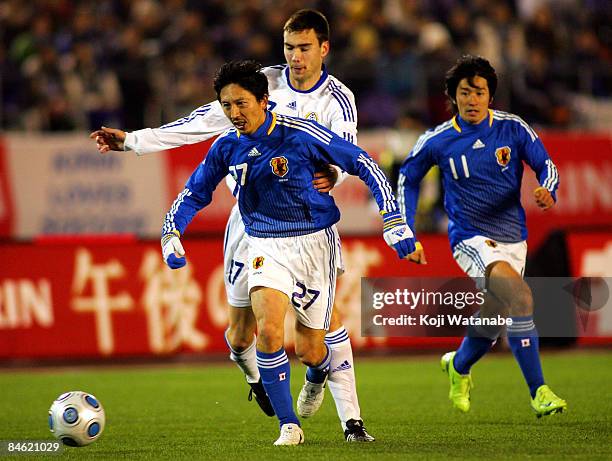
{"points": [[201, 412]]}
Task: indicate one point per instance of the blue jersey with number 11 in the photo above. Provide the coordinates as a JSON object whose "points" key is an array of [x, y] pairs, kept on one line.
{"points": [[482, 170], [274, 168]]}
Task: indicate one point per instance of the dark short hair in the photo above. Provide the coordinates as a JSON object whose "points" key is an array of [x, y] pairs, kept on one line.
{"points": [[469, 66], [246, 73], [309, 19]]}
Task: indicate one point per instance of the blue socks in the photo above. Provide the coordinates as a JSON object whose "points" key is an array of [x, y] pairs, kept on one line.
{"points": [[523, 339], [275, 373], [317, 375], [471, 351], [478, 342]]}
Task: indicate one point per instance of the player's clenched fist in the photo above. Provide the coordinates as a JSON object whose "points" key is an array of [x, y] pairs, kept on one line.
{"points": [[543, 198], [397, 234], [418, 255], [172, 250], [108, 139]]}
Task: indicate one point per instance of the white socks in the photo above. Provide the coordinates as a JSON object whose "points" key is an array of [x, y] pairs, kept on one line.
{"points": [[341, 380], [246, 360]]}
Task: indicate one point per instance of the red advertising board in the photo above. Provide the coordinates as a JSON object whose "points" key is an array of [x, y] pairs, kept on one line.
{"points": [[584, 198], [590, 255], [54, 185], [87, 299]]}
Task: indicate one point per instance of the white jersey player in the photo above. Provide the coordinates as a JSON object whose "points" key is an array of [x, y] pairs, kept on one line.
{"points": [[328, 102], [301, 88]]}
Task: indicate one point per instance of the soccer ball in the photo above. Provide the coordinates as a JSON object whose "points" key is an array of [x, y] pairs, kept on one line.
{"points": [[76, 418]]}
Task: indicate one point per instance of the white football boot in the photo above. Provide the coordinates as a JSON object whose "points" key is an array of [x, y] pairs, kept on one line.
{"points": [[290, 434], [310, 399]]}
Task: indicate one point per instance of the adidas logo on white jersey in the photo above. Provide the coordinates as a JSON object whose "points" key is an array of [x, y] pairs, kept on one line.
{"points": [[254, 152], [478, 144], [292, 105], [343, 366]]}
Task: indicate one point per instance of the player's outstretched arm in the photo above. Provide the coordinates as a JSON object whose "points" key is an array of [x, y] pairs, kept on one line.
{"points": [[108, 139], [543, 198], [203, 123], [196, 195], [418, 255]]}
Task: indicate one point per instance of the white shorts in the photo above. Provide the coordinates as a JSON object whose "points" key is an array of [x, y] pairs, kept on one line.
{"points": [[475, 254], [304, 268], [235, 254]]}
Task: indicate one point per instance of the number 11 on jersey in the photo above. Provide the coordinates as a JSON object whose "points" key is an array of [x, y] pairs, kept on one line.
{"points": [[466, 171]]}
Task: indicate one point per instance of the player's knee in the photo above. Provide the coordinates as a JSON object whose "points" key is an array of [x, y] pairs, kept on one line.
{"points": [[309, 359], [239, 340], [270, 337], [311, 356]]}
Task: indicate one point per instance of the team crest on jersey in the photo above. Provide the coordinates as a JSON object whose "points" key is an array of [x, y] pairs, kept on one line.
{"points": [[312, 116], [280, 166], [258, 262], [503, 155], [491, 243]]}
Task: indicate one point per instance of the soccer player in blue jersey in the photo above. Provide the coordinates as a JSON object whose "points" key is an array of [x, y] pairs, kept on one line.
{"points": [[293, 245], [301, 88], [480, 153]]}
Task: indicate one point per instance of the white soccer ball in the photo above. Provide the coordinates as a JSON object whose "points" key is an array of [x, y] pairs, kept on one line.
{"points": [[76, 418]]}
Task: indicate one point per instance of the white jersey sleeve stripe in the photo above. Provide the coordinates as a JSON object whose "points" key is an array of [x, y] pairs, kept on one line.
{"points": [[548, 174], [310, 126], [307, 127], [383, 185], [341, 95], [345, 116], [169, 225], [301, 128], [499, 115], [401, 202], [196, 113], [428, 135], [348, 137], [552, 176], [343, 100]]}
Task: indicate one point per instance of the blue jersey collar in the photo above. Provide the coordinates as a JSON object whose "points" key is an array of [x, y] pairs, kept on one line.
{"points": [[322, 79], [265, 129], [461, 125]]}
